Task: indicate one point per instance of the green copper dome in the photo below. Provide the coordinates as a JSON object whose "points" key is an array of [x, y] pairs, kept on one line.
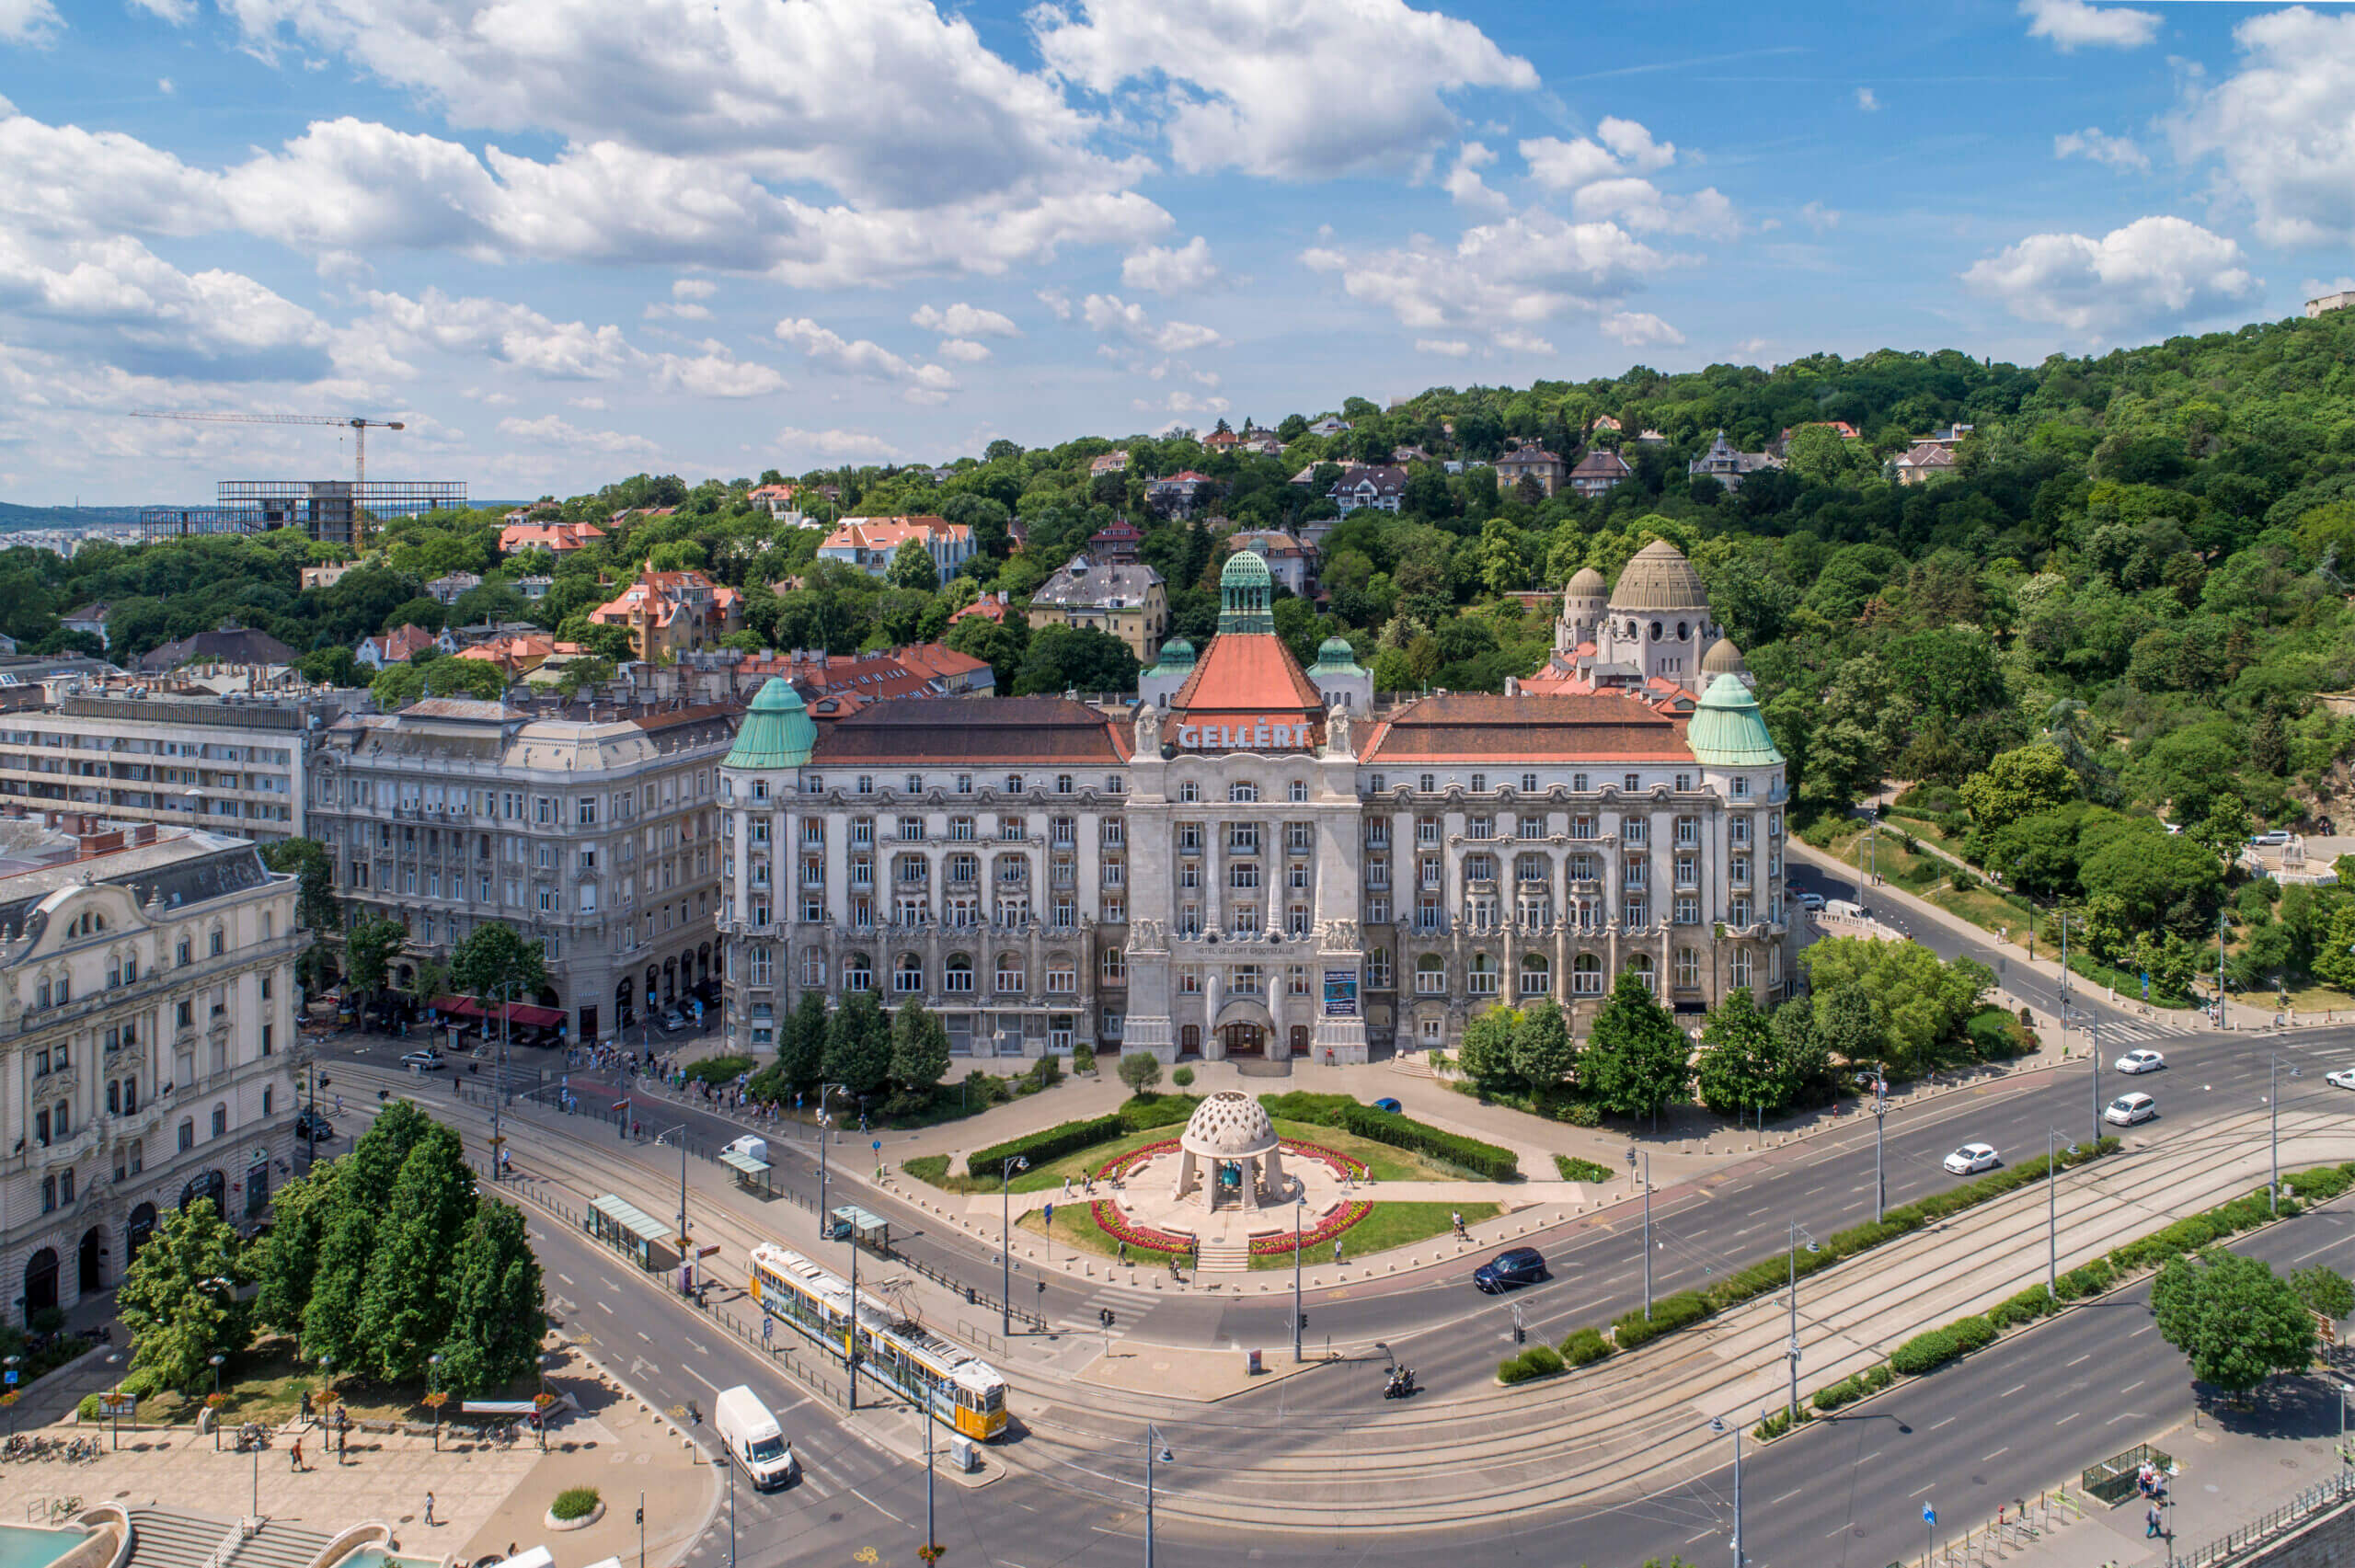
{"points": [[1727, 729], [1176, 654], [1335, 657], [777, 731], [1245, 593]]}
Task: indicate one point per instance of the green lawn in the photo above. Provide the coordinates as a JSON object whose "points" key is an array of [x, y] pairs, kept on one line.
{"points": [[265, 1384], [1389, 1224], [1387, 1164]]}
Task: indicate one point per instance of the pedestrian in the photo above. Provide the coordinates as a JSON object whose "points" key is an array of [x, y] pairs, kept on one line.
{"points": [[2151, 1522], [306, 1404], [1336, 1249], [338, 1104], [1124, 1252], [1456, 1217], [295, 1456], [428, 1507]]}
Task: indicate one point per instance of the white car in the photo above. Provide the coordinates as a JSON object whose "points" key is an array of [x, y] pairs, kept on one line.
{"points": [[2128, 1109], [2140, 1062], [1811, 901], [424, 1061], [2343, 1078], [1973, 1158]]}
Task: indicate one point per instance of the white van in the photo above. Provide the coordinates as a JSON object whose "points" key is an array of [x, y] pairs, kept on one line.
{"points": [[754, 1440], [1844, 909], [754, 1148]]}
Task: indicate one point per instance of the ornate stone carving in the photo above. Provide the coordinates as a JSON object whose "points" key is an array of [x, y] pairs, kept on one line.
{"points": [[1336, 732], [1148, 730]]}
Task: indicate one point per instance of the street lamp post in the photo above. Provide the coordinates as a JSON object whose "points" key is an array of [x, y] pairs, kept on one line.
{"points": [[1005, 1240], [1152, 1436], [434, 1395], [681, 1130], [216, 1358], [1298, 1318], [2273, 1106], [824, 1220], [1791, 1351], [931, 1536], [1880, 1122], [1717, 1425], [2093, 1030], [1647, 1236]]}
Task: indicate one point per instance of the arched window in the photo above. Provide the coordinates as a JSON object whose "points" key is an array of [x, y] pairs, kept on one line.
{"points": [[1688, 969], [1431, 975], [1242, 791], [957, 975], [1741, 968], [1189, 792], [188, 1134], [1640, 966], [859, 972], [907, 975], [1586, 974], [1536, 975], [1009, 972], [1299, 789], [1481, 977]]}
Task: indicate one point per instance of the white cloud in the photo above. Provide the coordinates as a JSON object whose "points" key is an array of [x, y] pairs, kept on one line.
{"points": [[164, 85], [179, 13], [1605, 182], [1753, 349], [964, 349], [1107, 313], [838, 445], [1638, 330], [2282, 126], [2153, 273], [593, 404], [28, 21], [2073, 24], [1057, 303], [1182, 404], [2117, 152], [1818, 217], [716, 373], [1449, 347], [677, 310], [553, 350], [1635, 147], [554, 430], [114, 299], [1289, 89], [1644, 208], [1165, 269], [1516, 341], [1621, 147], [868, 360], [1528, 268], [693, 289], [965, 321], [1868, 100], [1470, 191]]}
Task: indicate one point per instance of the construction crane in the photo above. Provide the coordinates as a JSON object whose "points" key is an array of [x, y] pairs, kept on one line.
{"points": [[357, 426]]}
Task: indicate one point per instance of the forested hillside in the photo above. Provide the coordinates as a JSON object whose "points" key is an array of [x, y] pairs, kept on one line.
{"points": [[2138, 558]]}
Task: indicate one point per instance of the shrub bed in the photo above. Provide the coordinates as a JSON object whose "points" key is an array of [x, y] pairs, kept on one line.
{"points": [[1585, 1347], [1871, 1380], [1483, 1160], [930, 1168], [1668, 1314], [1065, 1137], [1573, 1169], [1779, 1422], [1538, 1361], [574, 1503], [716, 1071]]}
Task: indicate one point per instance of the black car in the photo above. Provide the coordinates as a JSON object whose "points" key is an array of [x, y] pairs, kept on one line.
{"points": [[312, 1126], [1514, 1266]]}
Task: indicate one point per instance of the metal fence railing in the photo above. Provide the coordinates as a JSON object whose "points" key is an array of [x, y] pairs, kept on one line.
{"points": [[2314, 1499], [2112, 1481]]}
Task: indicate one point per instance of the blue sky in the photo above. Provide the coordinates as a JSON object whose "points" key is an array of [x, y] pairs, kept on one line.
{"points": [[569, 239]]}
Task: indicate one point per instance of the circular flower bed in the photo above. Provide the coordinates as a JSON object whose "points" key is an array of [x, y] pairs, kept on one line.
{"points": [[1329, 1227], [1121, 1228], [1339, 1163]]}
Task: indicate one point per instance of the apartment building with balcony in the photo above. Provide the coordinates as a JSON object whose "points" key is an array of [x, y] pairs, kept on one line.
{"points": [[148, 1053], [595, 833]]}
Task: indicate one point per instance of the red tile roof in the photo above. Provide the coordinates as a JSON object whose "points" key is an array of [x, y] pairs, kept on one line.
{"points": [[1011, 731], [1486, 727], [1247, 672]]}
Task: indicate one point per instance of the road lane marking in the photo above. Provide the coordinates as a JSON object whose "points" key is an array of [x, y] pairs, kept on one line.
{"points": [[706, 1382], [2323, 1248], [1703, 1536], [2132, 1386], [879, 1507], [2010, 1392], [1948, 1422], [2141, 1332], [602, 1308], [1914, 1494], [1787, 1495], [1996, 1455], [2068, 1418], [2087, 1356], [2124, 1415], [1839, 1532], [1869, 1458], [565, 1277]]}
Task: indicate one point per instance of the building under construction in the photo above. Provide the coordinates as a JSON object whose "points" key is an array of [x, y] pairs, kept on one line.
{"points": [[324, 509]]}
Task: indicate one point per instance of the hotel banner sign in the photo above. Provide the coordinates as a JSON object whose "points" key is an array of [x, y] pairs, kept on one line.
{"points": [[1340, 993], [1245, 735]]}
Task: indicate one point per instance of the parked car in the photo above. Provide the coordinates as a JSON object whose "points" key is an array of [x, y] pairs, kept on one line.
{"points": [[1973, 1158], [1812, 902], [2128, 1109], [2271, 838], [672, 1020], [424, 1061], [2140, 1062], [1514, 1266], [312, 1126], [2343, 1078], [1393, 1106]]}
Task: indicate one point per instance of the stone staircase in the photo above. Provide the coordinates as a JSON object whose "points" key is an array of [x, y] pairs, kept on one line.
{"points": [[166, 1538], [1414, 1066], [1223, 1257], [277, 1546]]}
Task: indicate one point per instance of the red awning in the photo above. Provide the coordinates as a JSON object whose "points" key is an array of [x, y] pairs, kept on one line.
{"points": [[458, 1006], [535, 1017]]}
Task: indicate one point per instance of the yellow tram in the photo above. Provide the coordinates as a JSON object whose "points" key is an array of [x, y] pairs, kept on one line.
{"points": [[964, 1392]]}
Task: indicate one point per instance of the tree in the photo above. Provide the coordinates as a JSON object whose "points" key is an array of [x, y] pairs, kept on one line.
{"points": [[1543, 1054], [999, 644], [477, 678], [1486, 1056], [1074, 658], [2324, 1290], [286, 1260], [1141, 1070], [368, 953], [315, 906], [363, 1190], [1636, 1060], [1846, 1026], [858, 1044], [1741, 1069], [801, 1045], [2238, 1321], [1805, 1058], [177, 1297], [1918, 1002], [496, 965], [403, 1308], [397, 686], [494, 1306], [2020, 783], [912, 566], [919, 1049]]}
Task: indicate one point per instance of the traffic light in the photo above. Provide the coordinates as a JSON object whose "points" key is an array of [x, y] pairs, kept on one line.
{"points": [[641, 1513], [1304, 1320], [1104, 1316], [1520, 1334]]}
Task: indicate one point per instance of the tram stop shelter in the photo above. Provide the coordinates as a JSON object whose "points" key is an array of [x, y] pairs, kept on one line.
{"points": [[621, 1224], [868, 1229], [750, 1172]]}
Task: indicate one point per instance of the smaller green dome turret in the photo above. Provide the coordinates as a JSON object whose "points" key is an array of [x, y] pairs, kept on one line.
{"points": [[777, 731]]}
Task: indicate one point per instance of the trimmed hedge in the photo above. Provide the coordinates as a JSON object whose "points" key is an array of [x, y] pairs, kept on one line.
{"points": [[1538, 1361], [574, 1503], [1668, 1314], [1573, 1169], [1585, 1347], [1065, 1137], [1871, 1380], [1483, 1160], [2025, 1307], [1779, 1422]]}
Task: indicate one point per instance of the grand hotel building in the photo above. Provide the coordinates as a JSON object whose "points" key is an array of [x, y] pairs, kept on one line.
{"points": [[1258, 859]]}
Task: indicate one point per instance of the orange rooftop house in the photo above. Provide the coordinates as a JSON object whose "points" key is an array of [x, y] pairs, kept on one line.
{"points": [[668, 613], [870, 542], [561, 537]]}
